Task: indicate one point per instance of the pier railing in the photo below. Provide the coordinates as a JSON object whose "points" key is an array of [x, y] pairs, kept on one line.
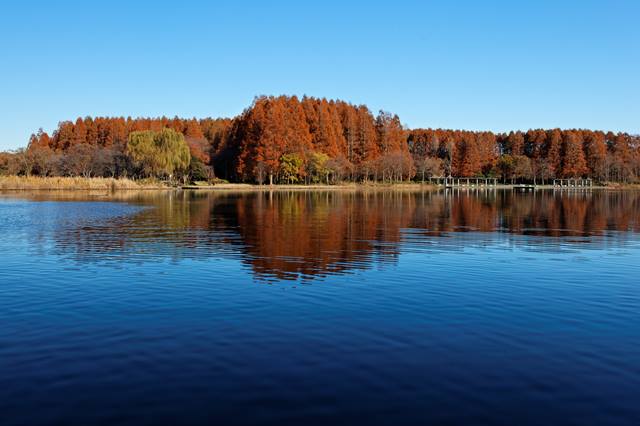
{"points": [[479, 182], [573, 183], [461, 181]]}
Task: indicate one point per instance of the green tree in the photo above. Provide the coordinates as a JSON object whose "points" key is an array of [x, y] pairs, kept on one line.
{"points": [[198, 171], [291, 167], [317, 165], [160, 154], [141, 148]]}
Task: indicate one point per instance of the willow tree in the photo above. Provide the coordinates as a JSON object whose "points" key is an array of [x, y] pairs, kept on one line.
{"points": [[159, 154]]}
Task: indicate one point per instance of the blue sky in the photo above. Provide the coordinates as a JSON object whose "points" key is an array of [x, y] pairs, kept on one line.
{"points": [[495, 65]]}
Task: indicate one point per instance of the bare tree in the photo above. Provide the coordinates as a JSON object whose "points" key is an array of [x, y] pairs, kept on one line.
{"points": [[522, 167], [429, 167], [340, 167], [79, 160], [260, 172]]}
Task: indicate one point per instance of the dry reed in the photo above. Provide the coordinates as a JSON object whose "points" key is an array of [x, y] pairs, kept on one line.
{"points": [[75, 183]]}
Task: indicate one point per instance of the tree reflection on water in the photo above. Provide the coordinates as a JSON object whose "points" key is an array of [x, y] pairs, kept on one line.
{"points": [[293, 234]]}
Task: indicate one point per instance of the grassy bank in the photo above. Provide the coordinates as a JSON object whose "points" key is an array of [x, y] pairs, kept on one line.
{"points": [[311, 187], [616, 185], [75, 183], [408, 186], [17, 183]]}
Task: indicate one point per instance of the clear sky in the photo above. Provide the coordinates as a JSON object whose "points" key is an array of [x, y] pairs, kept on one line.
{"points": [[495, 65]]}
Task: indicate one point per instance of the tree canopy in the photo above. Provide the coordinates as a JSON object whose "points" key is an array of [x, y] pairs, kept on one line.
{"points": [[286, 139], [162, 153]]}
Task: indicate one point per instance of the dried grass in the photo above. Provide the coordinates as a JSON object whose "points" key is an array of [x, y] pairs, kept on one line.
{"points": [[75, 183]]}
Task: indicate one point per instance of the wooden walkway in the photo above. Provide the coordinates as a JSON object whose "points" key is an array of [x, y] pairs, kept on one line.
{"points": [[454, 182], [573, 183], [492, 183]]}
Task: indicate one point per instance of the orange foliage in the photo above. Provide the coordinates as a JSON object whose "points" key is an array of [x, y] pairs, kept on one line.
{"points": [[359, 145]]}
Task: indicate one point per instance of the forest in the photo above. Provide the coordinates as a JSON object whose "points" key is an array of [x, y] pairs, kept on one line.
{"points": [[288, 140]]}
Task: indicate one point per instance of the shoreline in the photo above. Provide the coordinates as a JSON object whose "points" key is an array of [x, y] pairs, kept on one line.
{"points": [[35, 183], [396, 186]]}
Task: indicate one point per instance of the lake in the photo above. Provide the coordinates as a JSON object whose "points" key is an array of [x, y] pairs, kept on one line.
{"points": [[365, 307]]}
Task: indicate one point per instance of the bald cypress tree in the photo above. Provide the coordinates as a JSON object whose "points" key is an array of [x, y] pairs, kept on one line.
{"points": [[574, 164]]}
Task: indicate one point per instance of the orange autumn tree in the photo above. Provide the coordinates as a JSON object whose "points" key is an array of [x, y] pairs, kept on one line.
{"points": [[553, 153], [469, 159], [343, 140], [596, 154], [574, 163], [277, 126]]}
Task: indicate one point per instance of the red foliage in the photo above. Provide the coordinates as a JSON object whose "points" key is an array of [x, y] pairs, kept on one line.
{"points": [[253, 143]]}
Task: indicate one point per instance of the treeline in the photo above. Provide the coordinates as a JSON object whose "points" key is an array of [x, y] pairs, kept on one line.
{"points": [[118, 147], [536, 155], [313, 140], [309, 140]]}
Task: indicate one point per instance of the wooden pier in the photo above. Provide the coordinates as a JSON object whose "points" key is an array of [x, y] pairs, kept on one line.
{"points": [[492, 183], [524, 186], [456, 182], [573, 183]]}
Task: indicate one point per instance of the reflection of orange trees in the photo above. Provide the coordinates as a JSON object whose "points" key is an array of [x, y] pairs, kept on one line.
{"points": [[293, 234], [303, 234], [437, 213], [290, 234]]}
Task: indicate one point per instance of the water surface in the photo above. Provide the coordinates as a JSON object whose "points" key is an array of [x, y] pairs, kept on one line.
{"points": [[493, 307]]}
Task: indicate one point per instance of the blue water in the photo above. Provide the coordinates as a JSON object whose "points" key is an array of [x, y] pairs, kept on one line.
{"points": [[495, 308]]}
